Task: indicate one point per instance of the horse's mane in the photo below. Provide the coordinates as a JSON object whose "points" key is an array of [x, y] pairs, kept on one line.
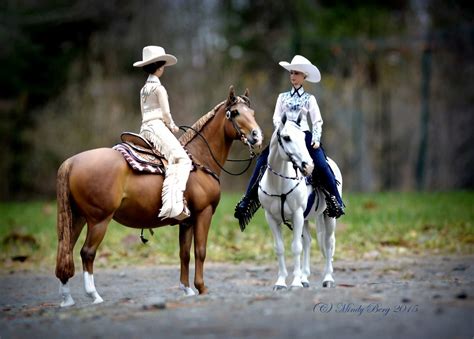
{"points": [[198, 125]]}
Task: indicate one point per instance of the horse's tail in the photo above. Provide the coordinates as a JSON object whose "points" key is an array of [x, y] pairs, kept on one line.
{"points": [[64, 259]]}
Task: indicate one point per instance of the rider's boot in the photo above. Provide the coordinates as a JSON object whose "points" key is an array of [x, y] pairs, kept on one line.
{"points": [[334, 208], [174, 205], [249, 204]]}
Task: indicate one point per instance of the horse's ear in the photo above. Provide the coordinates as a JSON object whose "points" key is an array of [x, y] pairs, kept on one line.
{"points": [[247, 93], [283, 119], [231, 97]]}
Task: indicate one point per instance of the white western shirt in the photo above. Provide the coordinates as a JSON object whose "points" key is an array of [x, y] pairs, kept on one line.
{"points": [[154, 101], [295, 101]]}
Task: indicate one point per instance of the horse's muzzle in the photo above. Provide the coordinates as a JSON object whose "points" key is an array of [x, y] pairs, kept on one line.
{"points": [[255, 138]]}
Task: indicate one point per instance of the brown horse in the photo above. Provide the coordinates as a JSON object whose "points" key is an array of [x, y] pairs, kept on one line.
{"points": [[98, 185]]}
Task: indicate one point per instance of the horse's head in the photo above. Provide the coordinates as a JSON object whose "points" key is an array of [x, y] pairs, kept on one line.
{"points": [[292, 146], [241, 120]]}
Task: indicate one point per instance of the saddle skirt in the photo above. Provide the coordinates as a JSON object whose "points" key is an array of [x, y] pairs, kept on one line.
{"points": [[140, 154]]}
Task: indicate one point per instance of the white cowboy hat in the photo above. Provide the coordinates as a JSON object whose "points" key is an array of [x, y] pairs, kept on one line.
{"points": [[301, 64], [153, 54]]}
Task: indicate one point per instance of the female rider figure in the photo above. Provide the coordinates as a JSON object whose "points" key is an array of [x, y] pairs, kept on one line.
{"points": [[292, 103], [157, 127]]}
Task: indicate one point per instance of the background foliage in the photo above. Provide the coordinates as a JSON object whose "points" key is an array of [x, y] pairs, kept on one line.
{"points": [[396, 93]]}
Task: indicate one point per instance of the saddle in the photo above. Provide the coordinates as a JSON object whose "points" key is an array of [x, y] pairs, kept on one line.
{"points": [[140, 154]]}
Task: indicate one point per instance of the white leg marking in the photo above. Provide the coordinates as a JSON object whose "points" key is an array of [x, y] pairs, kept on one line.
{"points": [[188, 291], [90, 288], [65, 292]]}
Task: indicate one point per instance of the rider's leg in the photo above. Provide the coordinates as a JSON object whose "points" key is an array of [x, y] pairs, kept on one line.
{"points": [[249, 203], [177, 172], [323, 173]]}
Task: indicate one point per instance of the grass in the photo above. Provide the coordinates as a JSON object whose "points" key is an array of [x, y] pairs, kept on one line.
{"points": [[376, 225]]}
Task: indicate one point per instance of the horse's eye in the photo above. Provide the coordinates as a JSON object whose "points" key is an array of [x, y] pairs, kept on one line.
{"points": [[287, 138]]}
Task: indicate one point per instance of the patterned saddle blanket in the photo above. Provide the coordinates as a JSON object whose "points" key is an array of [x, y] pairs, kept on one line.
{"points": [[140, 154]]}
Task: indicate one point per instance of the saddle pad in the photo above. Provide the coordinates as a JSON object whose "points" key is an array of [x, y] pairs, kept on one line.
{"points": [[140, 162]]}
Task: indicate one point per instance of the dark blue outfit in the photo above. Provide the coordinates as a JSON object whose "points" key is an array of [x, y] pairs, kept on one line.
{"points": [[322, 173]]}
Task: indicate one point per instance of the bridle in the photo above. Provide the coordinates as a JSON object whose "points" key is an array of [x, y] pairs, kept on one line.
{"points": [[295, 166], [230, 115]]}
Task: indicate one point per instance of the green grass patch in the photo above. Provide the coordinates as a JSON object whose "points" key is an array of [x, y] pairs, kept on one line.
{"points": [[376, 225]]}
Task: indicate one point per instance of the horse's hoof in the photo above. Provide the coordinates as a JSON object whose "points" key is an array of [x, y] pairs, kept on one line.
{"points": [[305, 284], [98, 300], [188, 291], [67, 302], [203, 291], [279, 288], [329, 284]]}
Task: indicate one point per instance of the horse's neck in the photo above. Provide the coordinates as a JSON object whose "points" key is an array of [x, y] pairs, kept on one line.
{"points": [[213, 132]]}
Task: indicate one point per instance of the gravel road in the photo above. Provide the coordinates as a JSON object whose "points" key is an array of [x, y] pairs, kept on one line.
{"points": [[415, 297]]}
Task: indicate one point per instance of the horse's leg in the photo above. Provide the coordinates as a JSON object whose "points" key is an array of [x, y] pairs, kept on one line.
{"points": [[95, 235], [201, 231], [326, 233], [78, 223], [69, 226], [306, 254], [297, 247], [275, 226], [185, 241]]}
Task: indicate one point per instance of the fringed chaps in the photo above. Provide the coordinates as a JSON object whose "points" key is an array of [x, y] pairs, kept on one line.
{"points": [[177, 172]]}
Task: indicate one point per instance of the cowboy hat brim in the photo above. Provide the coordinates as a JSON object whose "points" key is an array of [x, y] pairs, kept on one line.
{"points": [[311, 71], [168, 58]]}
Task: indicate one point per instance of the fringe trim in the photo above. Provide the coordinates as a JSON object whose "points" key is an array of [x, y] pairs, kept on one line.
{"points": [[172, 194], [151, 137]]}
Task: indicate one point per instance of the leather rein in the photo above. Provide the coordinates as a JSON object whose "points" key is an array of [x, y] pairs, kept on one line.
{"points": [[230, 115]]}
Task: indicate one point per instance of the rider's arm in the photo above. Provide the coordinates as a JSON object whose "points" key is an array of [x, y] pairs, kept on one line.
{"points": [[316, 119], [165, 109], [277, 113]]}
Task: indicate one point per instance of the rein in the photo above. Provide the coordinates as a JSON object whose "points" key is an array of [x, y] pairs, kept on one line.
{"points": [[252, 155], [284, 176]]}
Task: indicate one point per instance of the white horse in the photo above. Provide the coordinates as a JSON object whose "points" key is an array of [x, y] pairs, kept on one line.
{"points": [[284, 195]]}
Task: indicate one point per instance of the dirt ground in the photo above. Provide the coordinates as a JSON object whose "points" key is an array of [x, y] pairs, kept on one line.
{"points": [[416, 297]]}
